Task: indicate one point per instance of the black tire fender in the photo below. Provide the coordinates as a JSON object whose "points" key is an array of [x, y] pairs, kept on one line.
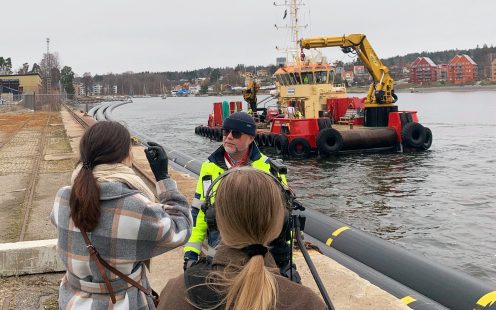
{"points": [[413, 135], [324, 123], [257, 139], [428, 139], [218, 134], [270, 139], [299, 148], [329, 141], [263, 140], [281, 144]]}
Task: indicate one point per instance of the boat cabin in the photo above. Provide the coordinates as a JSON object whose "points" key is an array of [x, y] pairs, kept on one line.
{"points": [[306, 88]]}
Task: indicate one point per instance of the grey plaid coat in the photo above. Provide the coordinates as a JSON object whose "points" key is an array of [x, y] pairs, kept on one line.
{"points": [[131, 229]]}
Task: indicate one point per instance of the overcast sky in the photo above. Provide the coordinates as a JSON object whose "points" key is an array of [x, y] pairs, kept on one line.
{"points": [[162, 35]]}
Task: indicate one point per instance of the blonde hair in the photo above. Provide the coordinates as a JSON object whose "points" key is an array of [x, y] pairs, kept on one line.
{"points": [[249, 210]]}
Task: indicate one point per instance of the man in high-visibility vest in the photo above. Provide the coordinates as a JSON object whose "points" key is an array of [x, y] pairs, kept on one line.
{"points": [[237, 149]]}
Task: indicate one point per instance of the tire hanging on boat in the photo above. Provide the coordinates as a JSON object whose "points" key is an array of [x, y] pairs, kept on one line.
{"points": [[219, 135], [299, 148], [257, 139], [281, 144], [428, 139], [270, 139], [324, 123], [413, 135], [263, 140], [329, 141]]}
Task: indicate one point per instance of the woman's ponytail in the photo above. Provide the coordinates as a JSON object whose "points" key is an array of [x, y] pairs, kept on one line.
{"points": [[254, 287], [85, 200], [103, 143]]}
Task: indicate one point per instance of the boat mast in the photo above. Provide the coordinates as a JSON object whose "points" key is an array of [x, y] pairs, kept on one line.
{"points": [[292, 52]]}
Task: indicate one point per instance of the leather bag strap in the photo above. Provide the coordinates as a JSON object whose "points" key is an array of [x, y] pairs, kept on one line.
{"points": [[96, 257], [100, 262]]}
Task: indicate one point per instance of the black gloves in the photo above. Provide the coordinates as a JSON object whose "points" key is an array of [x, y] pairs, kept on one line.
{"points": [[157, 158]]}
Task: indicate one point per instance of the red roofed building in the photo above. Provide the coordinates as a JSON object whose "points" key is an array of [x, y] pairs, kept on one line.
{"points": [[423, 71], [462, 69], [493, 69]]}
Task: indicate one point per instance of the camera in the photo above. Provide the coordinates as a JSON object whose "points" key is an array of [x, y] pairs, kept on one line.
{"points": [[277, 167]]}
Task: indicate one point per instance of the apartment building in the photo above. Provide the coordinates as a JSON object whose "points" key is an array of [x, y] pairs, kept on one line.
{"points": [[462, 69], [493, 69], [423, 71]]}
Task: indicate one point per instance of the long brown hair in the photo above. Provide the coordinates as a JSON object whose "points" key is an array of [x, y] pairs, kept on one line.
{"points": [[249, 210], [103, 143]]}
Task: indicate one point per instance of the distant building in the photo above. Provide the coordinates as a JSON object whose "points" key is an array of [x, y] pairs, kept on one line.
{"points": [[194, 89], [114, 90], [96, 89], [359, 70], [462, 69], [262, 73], [442, 72], [423, 71], [348, 75], [247, 74], [78, 89], [493, 69], [21, 83]]}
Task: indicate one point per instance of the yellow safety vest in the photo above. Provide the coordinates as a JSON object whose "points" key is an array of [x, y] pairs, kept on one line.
{"points": [[210, 170]]}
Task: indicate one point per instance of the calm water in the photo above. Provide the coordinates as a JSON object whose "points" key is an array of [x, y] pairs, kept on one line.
{"points": [[440, 203]]}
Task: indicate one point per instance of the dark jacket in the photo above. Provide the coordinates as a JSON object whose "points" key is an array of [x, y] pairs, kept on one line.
{"points": [[290, 295]]}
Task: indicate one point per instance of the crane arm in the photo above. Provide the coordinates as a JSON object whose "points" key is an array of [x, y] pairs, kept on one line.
{"points": [[381, 91]]}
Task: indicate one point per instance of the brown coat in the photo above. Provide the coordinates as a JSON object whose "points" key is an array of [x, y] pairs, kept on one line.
{"points": [[290, 295]]}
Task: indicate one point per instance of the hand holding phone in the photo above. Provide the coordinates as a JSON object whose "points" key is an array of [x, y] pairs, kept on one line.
{"points": [[157, 158]]}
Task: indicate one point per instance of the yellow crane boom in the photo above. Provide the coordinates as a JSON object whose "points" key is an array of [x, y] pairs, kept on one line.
{"points": [[381, 91]]}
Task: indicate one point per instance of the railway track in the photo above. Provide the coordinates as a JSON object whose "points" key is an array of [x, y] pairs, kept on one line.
{"points": [[29, 194]]}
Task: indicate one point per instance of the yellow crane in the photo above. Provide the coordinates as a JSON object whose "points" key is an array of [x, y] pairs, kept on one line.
{"points": [[381, 91]]}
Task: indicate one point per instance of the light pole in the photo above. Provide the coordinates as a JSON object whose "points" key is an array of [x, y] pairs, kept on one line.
{"points": [[48, 77]]}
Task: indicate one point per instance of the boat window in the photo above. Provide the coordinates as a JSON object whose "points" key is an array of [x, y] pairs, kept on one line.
{"points": [[321, 77], [292, 78], [331, 77], [307, 77], [298, 78], [287, 78], [279, 79]]}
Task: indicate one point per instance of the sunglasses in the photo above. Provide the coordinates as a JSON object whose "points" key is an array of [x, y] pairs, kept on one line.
{"points": [[236, 134]]}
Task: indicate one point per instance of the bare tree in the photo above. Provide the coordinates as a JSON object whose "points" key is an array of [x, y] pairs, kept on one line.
{"points": [[50, 60], [87, 82]]}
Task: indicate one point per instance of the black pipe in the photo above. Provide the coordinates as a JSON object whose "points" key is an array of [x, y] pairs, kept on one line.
{"points": [[368, 138], [411, 298], [449, 287]]}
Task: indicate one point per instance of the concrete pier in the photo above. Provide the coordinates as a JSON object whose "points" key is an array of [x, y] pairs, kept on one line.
{"points": [[26, 278]]}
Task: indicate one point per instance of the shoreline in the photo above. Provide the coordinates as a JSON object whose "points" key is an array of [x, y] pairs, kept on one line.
{"points": [[433, 89]]}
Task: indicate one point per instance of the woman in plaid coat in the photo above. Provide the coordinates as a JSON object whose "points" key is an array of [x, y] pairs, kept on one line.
{"points": [[123, 221]]}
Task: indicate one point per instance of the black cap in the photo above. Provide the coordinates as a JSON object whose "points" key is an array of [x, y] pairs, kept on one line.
{"points": [[242, 122]]}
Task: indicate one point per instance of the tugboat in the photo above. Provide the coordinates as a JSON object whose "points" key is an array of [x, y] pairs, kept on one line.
{"points": [[314, 115]]}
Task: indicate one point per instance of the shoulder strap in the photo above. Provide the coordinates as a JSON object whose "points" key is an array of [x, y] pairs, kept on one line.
{"points": [[101, 263]]}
